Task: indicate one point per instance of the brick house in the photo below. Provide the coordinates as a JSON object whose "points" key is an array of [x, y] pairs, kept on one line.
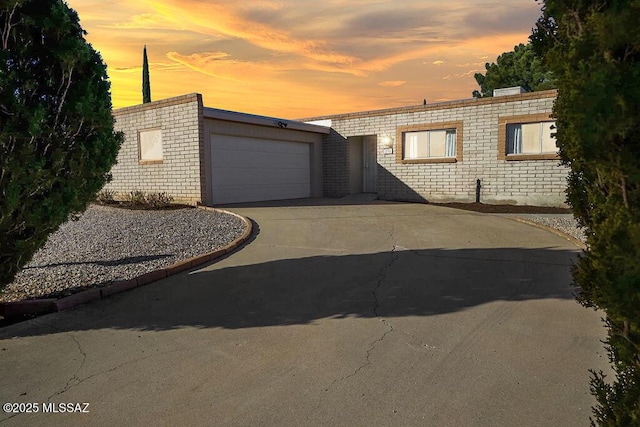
{"points": [[209, 156], [434, 152]]}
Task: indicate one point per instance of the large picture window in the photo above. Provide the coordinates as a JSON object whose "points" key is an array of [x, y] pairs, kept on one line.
{"points": [[531, 138], [429, 143], [527, 137]]}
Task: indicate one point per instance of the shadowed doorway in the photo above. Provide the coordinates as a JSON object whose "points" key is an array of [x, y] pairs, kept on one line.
{"points": [[362, 164]]}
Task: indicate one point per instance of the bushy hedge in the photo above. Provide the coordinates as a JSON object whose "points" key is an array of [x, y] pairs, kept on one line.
{"points": [[56, 130], [593, 50]]}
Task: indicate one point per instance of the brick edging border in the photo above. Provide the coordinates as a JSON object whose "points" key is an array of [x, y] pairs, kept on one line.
{"points": [[50, 305], [555, 231]]}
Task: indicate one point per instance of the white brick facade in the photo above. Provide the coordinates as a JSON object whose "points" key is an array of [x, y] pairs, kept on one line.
{"points": [[539, 182], [181, 173], [184, 171]]}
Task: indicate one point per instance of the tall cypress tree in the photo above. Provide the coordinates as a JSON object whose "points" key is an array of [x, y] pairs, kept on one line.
{"points": [[146, 86]]}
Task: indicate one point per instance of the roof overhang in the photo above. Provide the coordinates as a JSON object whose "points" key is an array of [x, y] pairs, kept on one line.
{"points": [[233, 116]]}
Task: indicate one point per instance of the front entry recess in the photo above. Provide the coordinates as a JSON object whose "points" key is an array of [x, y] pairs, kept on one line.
{"points": [[370, 163]]}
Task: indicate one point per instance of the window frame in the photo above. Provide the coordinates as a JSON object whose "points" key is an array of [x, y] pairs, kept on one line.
{"points": [[142, 161], [504, 122], [427, 127]]}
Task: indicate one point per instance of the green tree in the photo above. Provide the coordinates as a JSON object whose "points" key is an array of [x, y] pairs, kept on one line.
{"points": [[593, 50], [56, 129], [146, 84], [521, 67]]}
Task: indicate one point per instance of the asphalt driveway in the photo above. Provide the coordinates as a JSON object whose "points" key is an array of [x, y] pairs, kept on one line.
{"points": [[334, 314]]}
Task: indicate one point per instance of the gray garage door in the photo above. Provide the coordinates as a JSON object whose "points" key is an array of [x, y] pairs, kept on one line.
{"points": [[251, 169]]}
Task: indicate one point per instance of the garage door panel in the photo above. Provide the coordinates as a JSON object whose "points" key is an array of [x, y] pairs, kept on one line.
{"points": [[234, 143], [258, 176], [222, 158], [240, 194], [251, 169]]}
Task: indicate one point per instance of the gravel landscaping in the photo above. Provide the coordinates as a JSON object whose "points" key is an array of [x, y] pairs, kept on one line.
{"points": [[108, 244], [565, 223], [560, 219]]}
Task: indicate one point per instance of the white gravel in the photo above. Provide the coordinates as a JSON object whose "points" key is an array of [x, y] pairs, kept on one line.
{"points": [[565, 223], [108, 244]]}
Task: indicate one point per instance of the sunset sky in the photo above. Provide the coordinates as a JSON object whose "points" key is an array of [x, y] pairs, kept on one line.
{"points": [[299, 58]]}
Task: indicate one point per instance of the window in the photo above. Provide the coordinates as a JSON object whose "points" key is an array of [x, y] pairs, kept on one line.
{"points": [[429, 143], [531, 138], [150, 149], [527, 137]]}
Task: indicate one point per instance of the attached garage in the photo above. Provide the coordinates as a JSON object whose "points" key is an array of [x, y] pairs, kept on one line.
{"points": [[254, 158], [245, 169], [200, 155]]}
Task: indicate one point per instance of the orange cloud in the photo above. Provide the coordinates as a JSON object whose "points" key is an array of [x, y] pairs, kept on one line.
{"points": [[301, 59], [219, 19], [392, 83], [211, 63], [150, 21]]}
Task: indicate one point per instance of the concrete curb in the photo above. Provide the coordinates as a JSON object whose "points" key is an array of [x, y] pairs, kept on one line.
{"points": [[555, 231], [50, 305]]}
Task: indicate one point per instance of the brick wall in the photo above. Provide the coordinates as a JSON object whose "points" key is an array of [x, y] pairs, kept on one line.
{"points": [[529, 182], [335, 161], [180, 174]]}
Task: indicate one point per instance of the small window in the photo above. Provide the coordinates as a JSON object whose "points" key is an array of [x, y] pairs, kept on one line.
{"points": [[150, 145], [531, 138], [429, 144]]}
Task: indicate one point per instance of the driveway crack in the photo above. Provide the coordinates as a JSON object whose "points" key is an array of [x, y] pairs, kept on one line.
{"points": [[74, 380], [367, 361], [9, 417], [381, 278], [382, 273]]}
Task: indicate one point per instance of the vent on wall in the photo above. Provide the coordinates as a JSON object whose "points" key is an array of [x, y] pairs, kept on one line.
{"points": [[516, 90]]}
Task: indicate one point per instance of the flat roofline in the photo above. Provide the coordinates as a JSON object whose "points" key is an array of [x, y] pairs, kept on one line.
{"points": [[439, 105], [166, 102], [234, 116]]}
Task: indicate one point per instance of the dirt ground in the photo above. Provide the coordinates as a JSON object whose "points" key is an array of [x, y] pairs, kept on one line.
{"points": [[481, 207]]}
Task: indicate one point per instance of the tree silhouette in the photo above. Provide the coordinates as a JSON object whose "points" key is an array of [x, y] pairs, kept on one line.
{"points": [[146, 85]]}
